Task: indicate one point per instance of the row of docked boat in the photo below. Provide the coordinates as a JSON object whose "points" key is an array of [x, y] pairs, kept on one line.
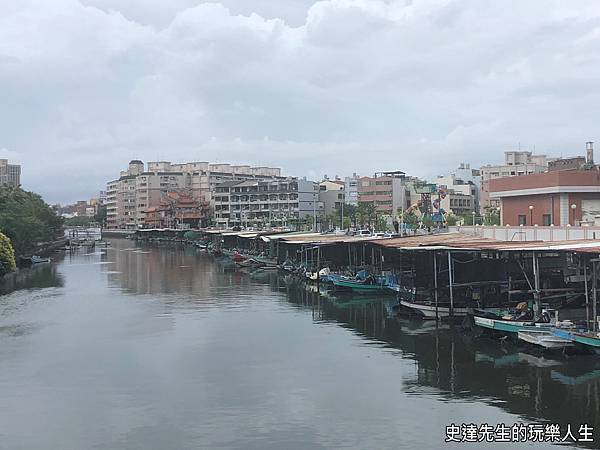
{"points": [[547, 332]]}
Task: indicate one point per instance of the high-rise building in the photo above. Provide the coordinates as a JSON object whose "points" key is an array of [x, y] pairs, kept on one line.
{"points": [[10, 173]]}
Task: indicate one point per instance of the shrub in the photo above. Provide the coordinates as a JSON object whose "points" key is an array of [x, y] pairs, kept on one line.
{"points": [[7, 256]]}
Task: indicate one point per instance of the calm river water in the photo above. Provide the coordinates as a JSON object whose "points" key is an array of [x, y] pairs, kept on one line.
{"points": [[168, 348]]}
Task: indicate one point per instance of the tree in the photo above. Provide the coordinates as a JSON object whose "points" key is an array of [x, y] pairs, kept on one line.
{"points": [[7, 256], [469, 218], [410, 219], [26, 219], [79, 221], [350, 215], [100, 216], [365, 213], [427, 222], [381, 224], [492, 216], [451, 220]]}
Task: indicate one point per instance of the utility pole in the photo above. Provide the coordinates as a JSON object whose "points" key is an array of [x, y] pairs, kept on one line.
{"points": [[450, 282], [314, 212], [536, 279]]}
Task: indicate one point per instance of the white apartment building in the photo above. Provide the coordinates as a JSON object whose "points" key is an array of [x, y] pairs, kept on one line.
{"points": [[260, 203], [10, 173], [462, 195], [351, 189], [136, 190]]}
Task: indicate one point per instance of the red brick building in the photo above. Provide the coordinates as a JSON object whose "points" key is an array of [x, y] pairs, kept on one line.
{"points": [[551, 198]]}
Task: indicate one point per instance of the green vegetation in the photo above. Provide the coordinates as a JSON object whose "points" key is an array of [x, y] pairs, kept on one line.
{"points": [[80, 221], [99, 219], [26, 219], [7, 255], [365, 213], [492, 216], [428, 222], [410, 219], [100, 216], [451, 220]]}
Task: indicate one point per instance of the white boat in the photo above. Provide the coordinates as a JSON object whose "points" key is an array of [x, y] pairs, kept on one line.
{"points": [[428, 311], [314, 276], [544, 338]]}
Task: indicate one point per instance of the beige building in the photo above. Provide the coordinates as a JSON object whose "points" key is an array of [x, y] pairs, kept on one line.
{"points": [[461, 197], [331, 195], [129, 197], [10, 173], [516, 163]]}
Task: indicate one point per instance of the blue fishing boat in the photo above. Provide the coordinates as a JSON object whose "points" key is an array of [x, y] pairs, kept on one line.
{"points": [[587, 340], [511, 323], [368, 285]]}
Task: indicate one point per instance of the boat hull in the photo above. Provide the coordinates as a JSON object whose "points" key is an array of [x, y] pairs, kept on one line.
{"points": [[544, 338], [584, 341], [508, 326], [429, 311], [360, 287]]}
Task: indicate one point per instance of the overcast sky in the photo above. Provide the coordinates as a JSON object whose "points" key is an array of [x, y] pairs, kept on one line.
{"points": [[329, 87]]}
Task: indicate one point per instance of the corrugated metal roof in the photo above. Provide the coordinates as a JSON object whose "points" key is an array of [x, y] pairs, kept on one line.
{"points": [[459, 241]]}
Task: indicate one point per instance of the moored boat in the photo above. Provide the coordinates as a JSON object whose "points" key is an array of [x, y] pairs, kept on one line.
{"points": [[544, 338], [430, 311], [367, 285], [29, 261], [589, 341], [506, 326]]}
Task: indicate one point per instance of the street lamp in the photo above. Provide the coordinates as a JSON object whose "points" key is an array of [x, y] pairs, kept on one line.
{"points": [[473, 222], [573, 208], [530, 215]]}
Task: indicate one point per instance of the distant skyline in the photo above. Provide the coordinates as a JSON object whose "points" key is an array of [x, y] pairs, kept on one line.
{"points": [[330, 87]]}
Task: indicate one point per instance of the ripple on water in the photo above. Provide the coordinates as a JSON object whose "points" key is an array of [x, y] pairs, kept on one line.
{"points": [[19, 329]]}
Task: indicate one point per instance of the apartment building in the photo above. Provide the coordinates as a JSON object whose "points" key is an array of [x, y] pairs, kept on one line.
{"points": [[262, 203], [331, 195], [386, 191], [569, 196], [129, 197], [460, 196], [10, 173], [351, 189], [516, 163]]}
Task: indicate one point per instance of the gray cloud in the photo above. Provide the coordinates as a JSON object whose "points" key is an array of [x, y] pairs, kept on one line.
{"points": [[334, 87]]}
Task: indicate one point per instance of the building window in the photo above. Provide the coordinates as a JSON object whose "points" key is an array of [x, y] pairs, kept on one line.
{"points": [[546, 218], [522, 219]]}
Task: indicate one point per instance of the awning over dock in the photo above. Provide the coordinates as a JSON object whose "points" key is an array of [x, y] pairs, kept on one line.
{"points": [[457, 241]]}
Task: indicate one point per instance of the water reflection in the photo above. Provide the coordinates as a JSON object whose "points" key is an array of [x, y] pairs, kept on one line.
{"points": [[161, 347], [36, 277], [539, 387]]}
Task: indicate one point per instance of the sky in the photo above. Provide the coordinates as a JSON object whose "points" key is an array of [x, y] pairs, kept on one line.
{"points": [[315, 87]]}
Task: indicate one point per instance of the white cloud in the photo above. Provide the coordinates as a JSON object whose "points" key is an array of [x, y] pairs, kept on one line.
{"points": [[338, 86]]}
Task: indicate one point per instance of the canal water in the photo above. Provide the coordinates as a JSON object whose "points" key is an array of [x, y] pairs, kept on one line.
{"points": [[169, 348]]}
